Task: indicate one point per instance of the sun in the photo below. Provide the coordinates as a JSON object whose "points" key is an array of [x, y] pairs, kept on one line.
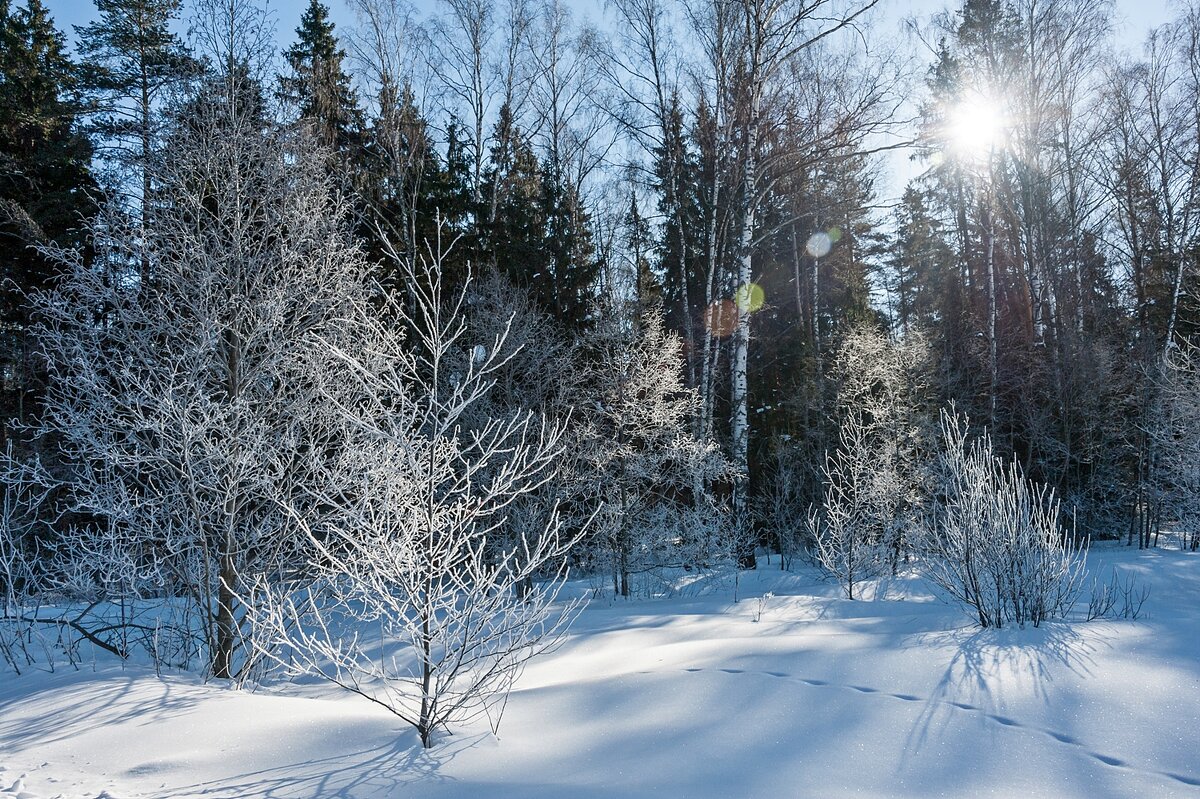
{"points": [[975, 127]]}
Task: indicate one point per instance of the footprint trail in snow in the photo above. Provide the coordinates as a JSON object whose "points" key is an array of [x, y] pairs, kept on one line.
{"points": [[1003, 721]]}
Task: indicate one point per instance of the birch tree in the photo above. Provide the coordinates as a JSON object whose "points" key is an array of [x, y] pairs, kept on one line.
{"points": [[772, 33]]}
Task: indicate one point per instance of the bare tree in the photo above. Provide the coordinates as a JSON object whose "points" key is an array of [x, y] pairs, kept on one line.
{"points": [[654, 477], [772, 34], [874, 480], [411, 599], [462, 41], [1175, 432], [848, 532], [183, 410]]}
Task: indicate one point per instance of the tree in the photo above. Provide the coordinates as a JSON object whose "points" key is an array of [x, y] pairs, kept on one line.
{"points": [[46, 186], [132, 64], [775, 32], [996, 545], [572, 141], [184, 410], [1175, 430], [874, 481], [410, 550], [849, 532], [644, 72], [407, 188], [464, 36], [516, 232], [318, 89], [921, 268], [655, 479]]}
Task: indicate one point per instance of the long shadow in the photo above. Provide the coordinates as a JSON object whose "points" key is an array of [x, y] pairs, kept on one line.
{"points": [[80, 700], [380, 770], [981, 657]]}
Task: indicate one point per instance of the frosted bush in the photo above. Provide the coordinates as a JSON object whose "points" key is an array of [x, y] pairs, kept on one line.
{"points": [[995, 544]]}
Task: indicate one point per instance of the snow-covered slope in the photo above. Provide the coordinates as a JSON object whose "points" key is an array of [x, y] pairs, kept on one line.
{"points": [[683, 697]]}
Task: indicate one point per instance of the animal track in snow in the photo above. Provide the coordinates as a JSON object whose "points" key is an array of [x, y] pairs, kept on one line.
{"points": [[1004, 721]]}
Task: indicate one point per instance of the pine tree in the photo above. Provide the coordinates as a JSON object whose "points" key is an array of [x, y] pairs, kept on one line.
{"points": [[131, 63], [46, 186]]}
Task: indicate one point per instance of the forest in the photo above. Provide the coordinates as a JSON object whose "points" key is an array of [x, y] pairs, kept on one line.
{"points": [[374, 359]]}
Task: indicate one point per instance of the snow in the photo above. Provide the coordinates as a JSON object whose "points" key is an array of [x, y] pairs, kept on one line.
{"points": [[682, 697]]}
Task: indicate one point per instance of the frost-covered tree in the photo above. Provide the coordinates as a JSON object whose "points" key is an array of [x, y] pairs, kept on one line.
{"points": [[656, 480], [996, 544], [1175, 432], [411, 598], [25, 491], [186, 409], [873, 480], [862, 489]]}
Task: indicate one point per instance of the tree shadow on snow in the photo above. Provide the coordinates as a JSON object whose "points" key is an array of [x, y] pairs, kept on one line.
{"points": [[61, 705], [984, 663], [371, 772]]}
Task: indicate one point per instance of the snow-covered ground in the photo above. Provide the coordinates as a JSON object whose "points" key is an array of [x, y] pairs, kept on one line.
{"points": [[683, 697]]}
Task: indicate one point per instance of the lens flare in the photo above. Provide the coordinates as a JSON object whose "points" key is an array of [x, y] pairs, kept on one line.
{"points": [[750, 297], [819, 244], [975, 127], [720, 318]]}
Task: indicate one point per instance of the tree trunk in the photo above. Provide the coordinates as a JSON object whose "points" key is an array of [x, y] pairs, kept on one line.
{"points": [[226, 637]]}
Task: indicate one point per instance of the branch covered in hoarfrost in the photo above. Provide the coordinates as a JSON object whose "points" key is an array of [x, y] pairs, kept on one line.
{"points": [[407, 599]]}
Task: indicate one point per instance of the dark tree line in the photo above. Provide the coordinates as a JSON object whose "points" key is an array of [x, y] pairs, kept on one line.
{"points": [[719, 163]]}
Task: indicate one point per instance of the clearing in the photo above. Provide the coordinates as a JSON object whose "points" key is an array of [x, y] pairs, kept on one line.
{"points": [[687, 696]]}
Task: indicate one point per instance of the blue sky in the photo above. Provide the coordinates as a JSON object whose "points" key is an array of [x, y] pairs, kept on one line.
{"points": [[1134, 17]]}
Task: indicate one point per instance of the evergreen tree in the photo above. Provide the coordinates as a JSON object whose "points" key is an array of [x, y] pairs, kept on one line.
{"points": [[566, 290], [317, 86], [675, 180], [458, 204], [131, 62], [921, 267], [638, 243], [46, 187], [513, 194], [405, 184]]}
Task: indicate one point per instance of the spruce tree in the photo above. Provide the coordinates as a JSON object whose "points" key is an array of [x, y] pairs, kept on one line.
{"points": [[405, 183], [513, 193], [566, 288], [682, 237], [46, 186], [639, 243], [922, 279], [317, 86]]}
